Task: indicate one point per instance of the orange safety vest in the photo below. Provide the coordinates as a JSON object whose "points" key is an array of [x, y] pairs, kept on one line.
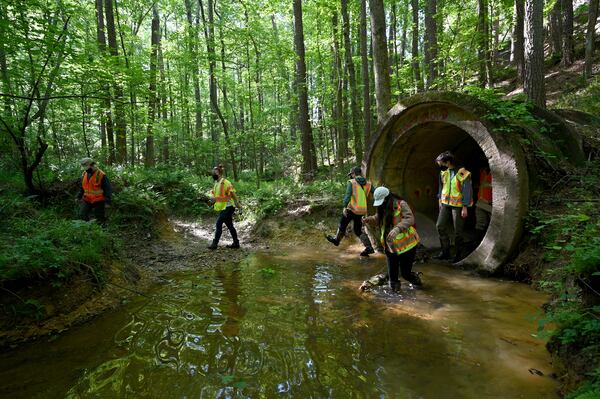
{"points": [[358, 202], [92, 188], [485, 187], [407, 239]]}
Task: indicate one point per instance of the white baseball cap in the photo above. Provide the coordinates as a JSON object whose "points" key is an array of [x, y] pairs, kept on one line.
{"points": [[379, 195]]}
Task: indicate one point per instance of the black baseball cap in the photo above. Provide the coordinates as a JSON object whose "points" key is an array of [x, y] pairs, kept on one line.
{"points": [[357, 170]]}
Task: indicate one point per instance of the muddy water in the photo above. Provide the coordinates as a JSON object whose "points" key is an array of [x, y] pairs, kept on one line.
{"points": [[294, 325]]}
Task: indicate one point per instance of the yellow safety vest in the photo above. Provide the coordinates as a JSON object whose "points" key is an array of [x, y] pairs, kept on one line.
{"points": [[452, 187], [358, 202], [406, 240], [222, 191]]}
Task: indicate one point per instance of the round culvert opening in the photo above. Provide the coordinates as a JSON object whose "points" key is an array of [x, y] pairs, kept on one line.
{"points": [[401, 156]]}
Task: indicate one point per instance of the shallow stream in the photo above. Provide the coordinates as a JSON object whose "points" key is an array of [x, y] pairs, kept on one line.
{"points": [[295, 325]]}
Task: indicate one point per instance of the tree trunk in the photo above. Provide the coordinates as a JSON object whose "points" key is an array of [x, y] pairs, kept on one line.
{"points": [[483, 48], [106, 124], [415, 45], [590, 37], [309, 158], [431, 42], [518, 40], [155, 42], [381, 65], [193, 49], [555, 29], [534, 52], [120, 125], [365, 71], [338, 108], [568, 49], [352, 82]]}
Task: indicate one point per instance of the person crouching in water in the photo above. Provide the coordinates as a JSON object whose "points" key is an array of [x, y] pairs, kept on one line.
{"points": [[398, 235], [224, 197], [358, 190]]}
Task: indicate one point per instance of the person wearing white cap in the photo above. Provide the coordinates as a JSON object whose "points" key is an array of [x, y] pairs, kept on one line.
{"points": [[398, 235]]}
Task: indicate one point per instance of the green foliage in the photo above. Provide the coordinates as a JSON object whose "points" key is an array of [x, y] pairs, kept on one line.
{"points": [[589, 389], [586, 99], [43, 245]]}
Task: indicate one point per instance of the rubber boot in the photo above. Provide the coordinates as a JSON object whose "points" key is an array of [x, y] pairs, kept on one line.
{"points": [[235, 245], [395, 286], [335, 240], [459, 251], [415, 279], [364, 238], [213, 245]]}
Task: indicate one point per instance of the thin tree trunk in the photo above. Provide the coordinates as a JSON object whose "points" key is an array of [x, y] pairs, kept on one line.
{"points": [[483, 48], [120, 125], [590, 37], [534, 52], [338, 107], [568, 49], [193, 48], [415, 45], [365, 71], [381, 66], [309, 164], [555, 29], [352, 81], [518, 40], [431, 42], [106, 125], [155, 42]]}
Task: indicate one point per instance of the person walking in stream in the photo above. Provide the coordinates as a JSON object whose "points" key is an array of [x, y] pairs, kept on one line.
{"points": [[398, 236], [225, 202], [358, 191]]}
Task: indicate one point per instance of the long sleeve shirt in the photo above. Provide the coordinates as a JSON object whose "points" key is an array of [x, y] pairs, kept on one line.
{"points": [[467, 188], [105, 184]]}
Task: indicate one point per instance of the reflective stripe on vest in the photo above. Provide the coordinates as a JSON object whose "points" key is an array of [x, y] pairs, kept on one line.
{"points": [[452, 187], [358, 202], [222, 194], [406, 240], [92, 188], [485, 187]]}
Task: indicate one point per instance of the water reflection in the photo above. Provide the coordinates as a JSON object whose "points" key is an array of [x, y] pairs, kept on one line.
{"points": [[302, 330]]}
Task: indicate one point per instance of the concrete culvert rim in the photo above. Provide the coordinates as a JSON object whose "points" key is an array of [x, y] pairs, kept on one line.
{"points": [[401, 156]]}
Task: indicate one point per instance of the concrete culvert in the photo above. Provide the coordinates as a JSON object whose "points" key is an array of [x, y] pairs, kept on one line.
{"points": [[401, 154]]}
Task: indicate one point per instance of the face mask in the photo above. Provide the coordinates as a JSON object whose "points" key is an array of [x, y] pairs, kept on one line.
{"points": [[444, 167], [215, 177]]}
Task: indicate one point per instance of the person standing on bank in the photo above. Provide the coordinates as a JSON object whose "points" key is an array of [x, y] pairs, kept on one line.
{"points": [[224, 198], [455, 196], [358, 191], [399, 236], [95, 192], [483, 207]]}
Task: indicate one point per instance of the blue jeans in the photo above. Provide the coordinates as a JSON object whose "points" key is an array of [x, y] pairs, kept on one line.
{"points": [[226, 216]]}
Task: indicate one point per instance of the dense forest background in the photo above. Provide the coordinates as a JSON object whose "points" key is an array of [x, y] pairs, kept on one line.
{"points": [[267, 88]]}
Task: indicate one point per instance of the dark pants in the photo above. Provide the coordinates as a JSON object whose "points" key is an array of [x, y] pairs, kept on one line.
{"points": [[400, 264], [356, 222], [450, 215], [97, 208], [226, 216]]}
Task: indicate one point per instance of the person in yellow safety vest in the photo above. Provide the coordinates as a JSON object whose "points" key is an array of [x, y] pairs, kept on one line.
{"points": [[483, 207], [455, 196], [358, 191], [399, 236], [95, 192], [225, 201]]}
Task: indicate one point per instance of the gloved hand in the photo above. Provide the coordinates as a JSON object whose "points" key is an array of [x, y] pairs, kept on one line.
{"points": [[345, 212], [464, 213], [392, 234]]}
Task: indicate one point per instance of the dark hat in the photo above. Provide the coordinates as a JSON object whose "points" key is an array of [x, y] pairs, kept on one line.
{"points": [[357, 170]]}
